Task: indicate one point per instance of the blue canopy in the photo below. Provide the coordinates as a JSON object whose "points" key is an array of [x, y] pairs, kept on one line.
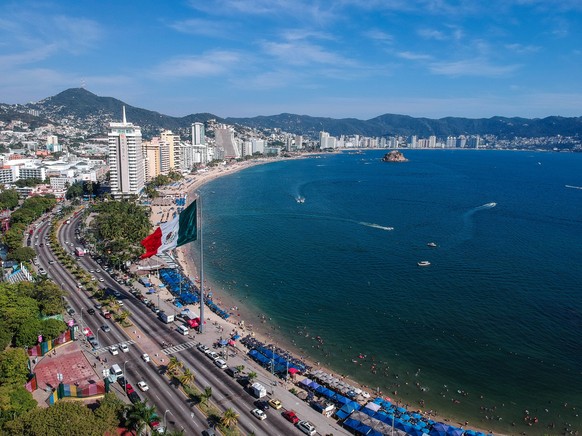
{"points": [[306, 382], [454, 431], [439, 429]]}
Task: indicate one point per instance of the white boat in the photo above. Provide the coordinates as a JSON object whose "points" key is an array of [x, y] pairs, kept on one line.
{"points": [[432, 244], [490, 205], [300, 199], [424, 263]]}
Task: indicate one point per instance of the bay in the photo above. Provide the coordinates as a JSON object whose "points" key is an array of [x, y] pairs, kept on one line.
{"points": [[490, 330]]}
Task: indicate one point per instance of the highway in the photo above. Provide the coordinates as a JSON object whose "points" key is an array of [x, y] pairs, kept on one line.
{"points": [[226, 392]]}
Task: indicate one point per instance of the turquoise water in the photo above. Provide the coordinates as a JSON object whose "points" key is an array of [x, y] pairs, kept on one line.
{"points": [[493, 327]]}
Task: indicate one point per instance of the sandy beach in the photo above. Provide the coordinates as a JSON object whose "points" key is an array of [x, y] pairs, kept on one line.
{"points": [[245, 319]]}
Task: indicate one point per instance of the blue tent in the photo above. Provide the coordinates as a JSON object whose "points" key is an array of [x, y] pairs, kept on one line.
{"points": [[454, 431], [439, 429], [306, 382]]}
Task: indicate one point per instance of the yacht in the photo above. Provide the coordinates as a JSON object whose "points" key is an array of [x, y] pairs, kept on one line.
{"points": [[424, 263], [432, 244]]}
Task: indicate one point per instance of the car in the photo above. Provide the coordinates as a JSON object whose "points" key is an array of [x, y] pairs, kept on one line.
{"points": [[51, 261], [124, 348], [122, 381], [290, 416], [143, 385], [307, 427], [220, 363], [98, 306], [275, 404], [213, 355], [203, 348], [145, 357], [261, 404], [258, 413], [101, 279], [120, 303], [97, 270], [93, 341], [105, 328], [208, 432], [114, 350], [91, 270], [129, 388], [91, 311]]}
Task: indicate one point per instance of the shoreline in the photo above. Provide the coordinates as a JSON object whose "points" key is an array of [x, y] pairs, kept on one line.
{"points": [[258, 324]]}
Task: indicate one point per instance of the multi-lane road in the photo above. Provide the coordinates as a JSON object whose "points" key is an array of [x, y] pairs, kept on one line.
{"points": [[169, 401]]}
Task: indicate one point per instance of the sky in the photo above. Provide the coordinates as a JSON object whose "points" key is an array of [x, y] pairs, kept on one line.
{"points": [[332, 58]]}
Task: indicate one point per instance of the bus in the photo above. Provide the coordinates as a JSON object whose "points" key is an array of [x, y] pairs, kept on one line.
{"points": [[79, 251]]}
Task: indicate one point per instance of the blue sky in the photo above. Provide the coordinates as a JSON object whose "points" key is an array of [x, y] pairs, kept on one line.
{"points": [[336, 58]]}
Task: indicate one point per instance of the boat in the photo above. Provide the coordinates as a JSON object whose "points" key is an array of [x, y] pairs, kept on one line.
{"points": [[424, 263], [490, 205], [300, 200], [432, 244]]}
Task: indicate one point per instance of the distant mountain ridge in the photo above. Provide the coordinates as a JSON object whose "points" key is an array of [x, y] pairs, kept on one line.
{"points": [[82, 106]]}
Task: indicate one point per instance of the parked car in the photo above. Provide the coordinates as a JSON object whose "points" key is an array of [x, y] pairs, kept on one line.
{"points": [[220, 363], [307, 428], [259, 414], [202, 348], [290, 416], [213, 355]]}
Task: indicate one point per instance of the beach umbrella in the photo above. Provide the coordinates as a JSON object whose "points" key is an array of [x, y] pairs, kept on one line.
{"points": [[293, 370], [401, 410], [231, 343], [439, 429], [357, 391], [454, 431], [223, 342], [415, 431], [405, 417]]}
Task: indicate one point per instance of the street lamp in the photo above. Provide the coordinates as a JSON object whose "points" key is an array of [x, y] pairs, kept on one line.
{"points": [[167, 410]]}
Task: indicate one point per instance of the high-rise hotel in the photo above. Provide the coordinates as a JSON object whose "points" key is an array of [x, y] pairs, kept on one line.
{"points": [[126, 163]]}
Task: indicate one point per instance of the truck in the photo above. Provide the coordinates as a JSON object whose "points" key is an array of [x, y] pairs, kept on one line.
{"points": [[80, 251], [167, 318], [258, 390], [106, 314]]}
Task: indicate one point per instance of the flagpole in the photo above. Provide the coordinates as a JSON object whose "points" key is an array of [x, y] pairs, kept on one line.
{"points": [[199, 205]]}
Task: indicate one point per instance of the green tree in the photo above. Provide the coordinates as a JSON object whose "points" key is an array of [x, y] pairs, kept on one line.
{"points": [[251, 376], [27, 333], [64, 418], [174, 365], [229, 418], [13, 367], [8, 199], [187, 378], [52, 328], [50, 297], [22, 254], [206, 395], [140, 417], [74, 191], [109, 412], [14, 401]]}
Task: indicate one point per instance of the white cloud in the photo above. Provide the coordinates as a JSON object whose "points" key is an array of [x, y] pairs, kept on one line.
{"points": [[212, 63], [302, 53], [471, 67], [414, 56], [197, 26], [522, 49], [432, 34], [379, 35]]}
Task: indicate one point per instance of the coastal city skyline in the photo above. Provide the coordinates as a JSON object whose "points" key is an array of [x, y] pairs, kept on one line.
{"points": [[349, 59]]}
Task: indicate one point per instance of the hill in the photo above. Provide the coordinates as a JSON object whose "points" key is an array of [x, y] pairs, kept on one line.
{"points": [[83, 108]]}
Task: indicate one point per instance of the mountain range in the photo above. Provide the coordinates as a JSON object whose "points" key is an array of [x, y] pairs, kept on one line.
{"points": [[83, 108]]}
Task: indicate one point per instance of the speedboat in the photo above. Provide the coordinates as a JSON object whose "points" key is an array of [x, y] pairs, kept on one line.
{"points": [[432, 244], [424, 263], [491, 205]]}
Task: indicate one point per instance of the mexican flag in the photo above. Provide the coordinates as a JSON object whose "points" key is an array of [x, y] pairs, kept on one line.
{"points": [[179, 231]]}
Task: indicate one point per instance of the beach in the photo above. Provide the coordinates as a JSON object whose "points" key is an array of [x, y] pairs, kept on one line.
{"points": [[247, 319]]}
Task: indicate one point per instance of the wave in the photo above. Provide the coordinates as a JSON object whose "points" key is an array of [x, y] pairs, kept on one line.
{"points": [[376, 226]]}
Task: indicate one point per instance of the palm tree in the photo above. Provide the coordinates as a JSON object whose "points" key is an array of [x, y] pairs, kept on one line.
{"points": [[174, 365], [187, 377], [251, 376], [206, 395], [140, 417], [240, 368], [229, 418]]}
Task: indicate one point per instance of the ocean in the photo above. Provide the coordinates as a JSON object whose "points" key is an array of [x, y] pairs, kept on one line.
{"points": [[489, 333]]}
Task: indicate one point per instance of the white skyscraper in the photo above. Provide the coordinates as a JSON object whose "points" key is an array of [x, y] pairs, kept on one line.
{"points": [[126, 164], [198, 135]]}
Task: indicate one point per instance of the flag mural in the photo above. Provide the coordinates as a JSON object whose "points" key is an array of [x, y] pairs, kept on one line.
{"points": [[175, 233]]}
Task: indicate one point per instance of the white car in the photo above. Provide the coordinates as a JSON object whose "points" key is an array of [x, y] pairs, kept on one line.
{"points": [[307, 427], [143, 385], [212, 355], [124, 348], [259, 414], [145, 357], [220, 363], [113, 350], [120, 303]]}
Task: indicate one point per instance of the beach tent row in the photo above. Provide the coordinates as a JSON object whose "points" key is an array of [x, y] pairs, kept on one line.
{"points": [[363, 424], [282, 364], [329, 394], [279, 365], [338, 385], [220, 312]]}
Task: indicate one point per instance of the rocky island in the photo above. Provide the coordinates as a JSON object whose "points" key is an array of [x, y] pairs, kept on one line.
{"points": [[394, 156]]}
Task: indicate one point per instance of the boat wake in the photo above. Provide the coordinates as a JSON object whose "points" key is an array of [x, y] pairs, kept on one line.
{"points": [[467, 231], [573, 187], [376, 226]]}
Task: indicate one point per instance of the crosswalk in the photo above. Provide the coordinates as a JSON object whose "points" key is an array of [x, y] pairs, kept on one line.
{"points": [[178, 348], [106, 349]]}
